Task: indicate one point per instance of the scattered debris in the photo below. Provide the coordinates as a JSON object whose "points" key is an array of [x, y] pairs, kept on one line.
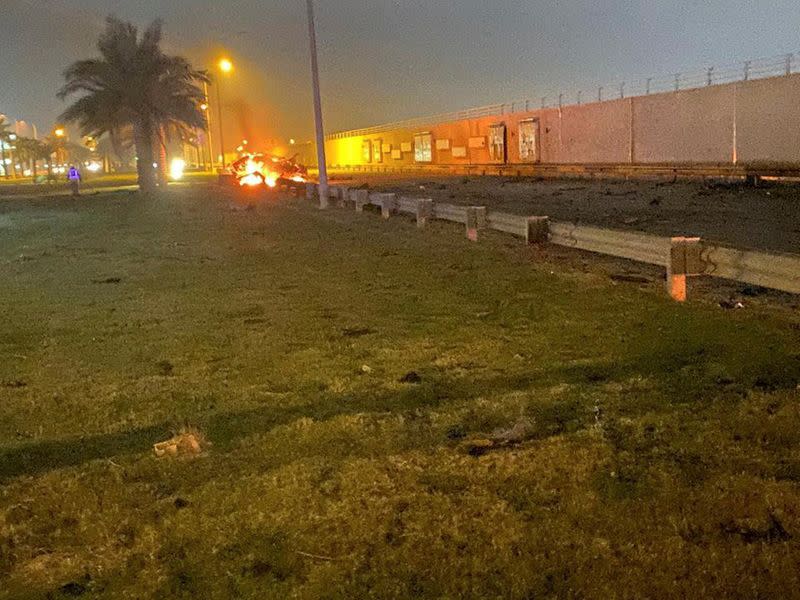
{"points": [[519, 432], [188, 442], [730, 304], [108, 280], [456, 432], [15, 383], [775, 532], [630, 220], [356, 331], [314, 556], [181, 503], [655, 202], [411, 377], [366, 369], [76, 588], [165, 368], [478, 447]]}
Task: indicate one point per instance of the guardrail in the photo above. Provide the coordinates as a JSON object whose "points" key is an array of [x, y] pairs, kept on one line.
{"points": [[682, 257]]}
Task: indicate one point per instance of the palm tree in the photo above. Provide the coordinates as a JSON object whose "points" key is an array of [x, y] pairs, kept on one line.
{"points": [[135, 87], [4, 136], [27, 153]]}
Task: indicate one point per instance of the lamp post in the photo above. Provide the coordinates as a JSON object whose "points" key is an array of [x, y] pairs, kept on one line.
{"points": [[225, 66], [207, 114], [323, 171], [59, 133]]}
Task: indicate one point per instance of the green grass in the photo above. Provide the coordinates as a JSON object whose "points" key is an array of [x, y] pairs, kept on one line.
{"points": [[660, 455]]}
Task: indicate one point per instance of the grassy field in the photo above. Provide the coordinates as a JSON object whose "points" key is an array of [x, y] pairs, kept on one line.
{"points": [[389, 413]]}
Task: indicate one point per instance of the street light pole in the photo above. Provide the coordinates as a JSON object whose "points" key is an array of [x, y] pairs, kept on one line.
{"points": [[219, 120], [323, 171], [207, 114]]}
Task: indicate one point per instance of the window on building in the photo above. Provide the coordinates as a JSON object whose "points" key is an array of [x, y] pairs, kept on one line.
{"points": [[423, 147], [366, 151], [497, 143], [529, 140], [377, 150]]}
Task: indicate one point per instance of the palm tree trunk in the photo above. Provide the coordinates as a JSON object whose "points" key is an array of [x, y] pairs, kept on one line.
{"points": [[143, 139], [162, 158]]}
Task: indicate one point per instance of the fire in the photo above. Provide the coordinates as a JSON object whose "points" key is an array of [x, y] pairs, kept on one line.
{"points": [[257, 169], [254, 172]]}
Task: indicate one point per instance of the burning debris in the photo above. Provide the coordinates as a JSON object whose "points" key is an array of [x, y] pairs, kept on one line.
{"points": [[260, 169]]}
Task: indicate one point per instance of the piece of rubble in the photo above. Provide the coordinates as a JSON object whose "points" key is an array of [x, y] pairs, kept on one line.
{"points": [[189, 442]]}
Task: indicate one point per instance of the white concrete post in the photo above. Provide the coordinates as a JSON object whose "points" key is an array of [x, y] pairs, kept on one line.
{"points": [[537, 230], [684, 259], [424, 211], [387, 202], [344, 196], [476, 220], [360, 199]]}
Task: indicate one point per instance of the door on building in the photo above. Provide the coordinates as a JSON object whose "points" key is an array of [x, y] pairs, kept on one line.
{"points": [[423, 147], [529, 141], [377, 152], [497, 143], [366, 151]]}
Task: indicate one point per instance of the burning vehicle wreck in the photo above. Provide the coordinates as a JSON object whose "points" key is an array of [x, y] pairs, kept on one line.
{"points": [[262, 169]]}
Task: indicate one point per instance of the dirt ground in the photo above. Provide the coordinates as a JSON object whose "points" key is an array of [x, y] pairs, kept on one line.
{"points": [[765, 217]]}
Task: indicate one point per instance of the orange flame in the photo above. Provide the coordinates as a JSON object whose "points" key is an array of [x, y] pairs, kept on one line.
{"points": [[254, 171]]}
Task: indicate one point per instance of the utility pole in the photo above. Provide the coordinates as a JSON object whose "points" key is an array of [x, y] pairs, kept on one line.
{"points": [[207, 114], [323, 170], [219, 120]]}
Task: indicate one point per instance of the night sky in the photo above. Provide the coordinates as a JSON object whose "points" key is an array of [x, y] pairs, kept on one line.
{"points": [[384, 60]]}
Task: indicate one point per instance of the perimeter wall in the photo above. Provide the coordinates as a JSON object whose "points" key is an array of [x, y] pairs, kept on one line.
{"points": [[747, 123]]}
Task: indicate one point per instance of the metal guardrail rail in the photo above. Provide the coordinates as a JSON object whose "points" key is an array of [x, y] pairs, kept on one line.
{"points": [[777, 271], [760, 68], [640, 247], [450, 212], [507, 223]]}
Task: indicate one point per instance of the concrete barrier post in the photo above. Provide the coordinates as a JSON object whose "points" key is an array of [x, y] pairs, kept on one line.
{"points": [[344, 195], [684, 260], [537, 230], [360, 199], [388, 205], [311, 191], [476, 220], [424, 211]]}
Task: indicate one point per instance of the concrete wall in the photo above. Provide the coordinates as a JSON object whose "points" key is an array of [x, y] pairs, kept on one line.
{"points": [[746, 123], [693, 126], [768, 121]]}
